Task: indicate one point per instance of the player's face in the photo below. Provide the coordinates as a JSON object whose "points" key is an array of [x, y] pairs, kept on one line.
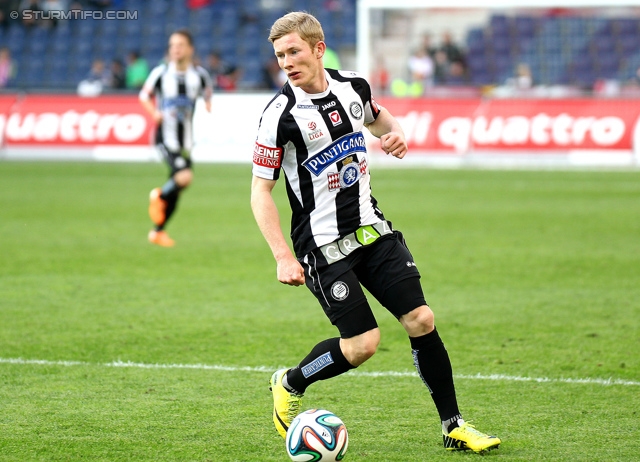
{"points": [[301, 62], [179, 49]]}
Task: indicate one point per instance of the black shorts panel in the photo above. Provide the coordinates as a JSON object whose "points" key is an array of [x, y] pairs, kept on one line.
{"points": [[403, 297], [175, 160], [378, 267], [356, 321], [335, 286]]}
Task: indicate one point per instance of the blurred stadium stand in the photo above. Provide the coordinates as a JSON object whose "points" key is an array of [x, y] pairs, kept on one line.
{"points": [[59, 57], [559, 50]]}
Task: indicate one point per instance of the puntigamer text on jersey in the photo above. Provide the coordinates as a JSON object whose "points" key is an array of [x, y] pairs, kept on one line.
{"points": [[338, 150]]}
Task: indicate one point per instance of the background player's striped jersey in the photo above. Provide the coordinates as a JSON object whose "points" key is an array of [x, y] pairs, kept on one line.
{"points": [[176, 93], [317, 140]]}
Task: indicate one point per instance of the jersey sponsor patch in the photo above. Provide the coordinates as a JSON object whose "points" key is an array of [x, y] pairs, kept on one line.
{"points": [[338, 150], [267, 156], [335, 118], [317, 364]]}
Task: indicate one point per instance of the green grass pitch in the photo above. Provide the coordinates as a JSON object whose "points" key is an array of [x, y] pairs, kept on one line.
{"points": [[112, 349]]}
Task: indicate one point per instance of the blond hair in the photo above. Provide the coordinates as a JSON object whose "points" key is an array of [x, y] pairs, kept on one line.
{"points": [[306, 25]]}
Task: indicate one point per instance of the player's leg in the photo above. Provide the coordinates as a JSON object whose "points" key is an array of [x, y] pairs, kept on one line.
{"points": [[179, 180], [163, 200], [346, 306], [398, 289], [358, 341]]}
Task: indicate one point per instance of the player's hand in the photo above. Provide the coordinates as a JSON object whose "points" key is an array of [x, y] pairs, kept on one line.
{"points": [[394, 143], [157, 117], [290, 272]]}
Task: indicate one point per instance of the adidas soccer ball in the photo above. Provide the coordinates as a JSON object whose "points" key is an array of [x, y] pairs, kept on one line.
{"points": [[317, 435]]}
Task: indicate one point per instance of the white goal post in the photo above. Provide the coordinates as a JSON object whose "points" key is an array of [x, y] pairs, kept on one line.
{"points": [[365, 7]]}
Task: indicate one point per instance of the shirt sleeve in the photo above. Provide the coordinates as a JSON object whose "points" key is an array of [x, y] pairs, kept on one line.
{"points": [[150, 84], [267, 152], [207, 84]]}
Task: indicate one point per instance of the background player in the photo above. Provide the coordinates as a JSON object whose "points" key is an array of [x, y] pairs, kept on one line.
{"points": [[176, 85], [312, 129]]}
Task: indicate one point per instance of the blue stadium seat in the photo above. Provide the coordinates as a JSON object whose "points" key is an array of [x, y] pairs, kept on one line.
{"points": [[629, 44], [524, 26], [625, 26], [500, 26], [603, 45], [476, 63]]}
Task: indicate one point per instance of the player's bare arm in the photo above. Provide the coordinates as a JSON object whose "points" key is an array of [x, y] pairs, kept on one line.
{"points": [[289, 270], [149, 105], [387, 128]]}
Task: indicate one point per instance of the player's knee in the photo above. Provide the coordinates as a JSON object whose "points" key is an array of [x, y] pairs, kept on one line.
{"points": [[183, 178], [419, 321], [360, 348]]}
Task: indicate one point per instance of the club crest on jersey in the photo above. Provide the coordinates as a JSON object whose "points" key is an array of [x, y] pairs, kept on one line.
{"points": [[349, 172], [315, 132], [267, 156], [356, 110], [335, 118], [338, 150]]}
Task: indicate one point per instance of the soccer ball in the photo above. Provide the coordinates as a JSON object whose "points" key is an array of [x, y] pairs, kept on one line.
{"points": [[317, 435]]}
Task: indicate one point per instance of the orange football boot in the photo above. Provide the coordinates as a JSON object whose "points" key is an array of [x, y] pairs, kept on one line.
{"points": [[161, 238]]}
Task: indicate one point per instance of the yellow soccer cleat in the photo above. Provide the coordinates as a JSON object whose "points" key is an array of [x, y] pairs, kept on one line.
{"points": [[161, 238], [157, 207], [466, 437], [286, 405]]}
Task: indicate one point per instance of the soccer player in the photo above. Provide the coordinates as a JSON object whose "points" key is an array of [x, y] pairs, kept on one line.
{"points": [[312, 131], [175, 85]]}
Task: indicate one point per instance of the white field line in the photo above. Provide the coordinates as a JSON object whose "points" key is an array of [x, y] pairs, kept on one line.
{"points": [[266, 369]]}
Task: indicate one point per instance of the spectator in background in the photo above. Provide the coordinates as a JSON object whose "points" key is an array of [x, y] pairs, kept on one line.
{"points": [[137, 70], [6, 7], [453, 52], [96, 80], [104, 4], [194, 4], [273, 78], [421, 69], [52, 5], [7, 68], [229, 81], [427, 45], [331, 60], [380, 77], [441, 67], [118, 76], [456, 75], [32, 5], [216, 66], [524, 78]]}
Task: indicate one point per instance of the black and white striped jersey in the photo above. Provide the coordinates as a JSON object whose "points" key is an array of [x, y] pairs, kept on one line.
{"points": [[176, 93], [318, 141]]}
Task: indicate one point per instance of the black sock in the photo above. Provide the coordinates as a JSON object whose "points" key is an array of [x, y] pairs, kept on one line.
{"points": [[169, 188], [434, 367], [325, 361]]}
